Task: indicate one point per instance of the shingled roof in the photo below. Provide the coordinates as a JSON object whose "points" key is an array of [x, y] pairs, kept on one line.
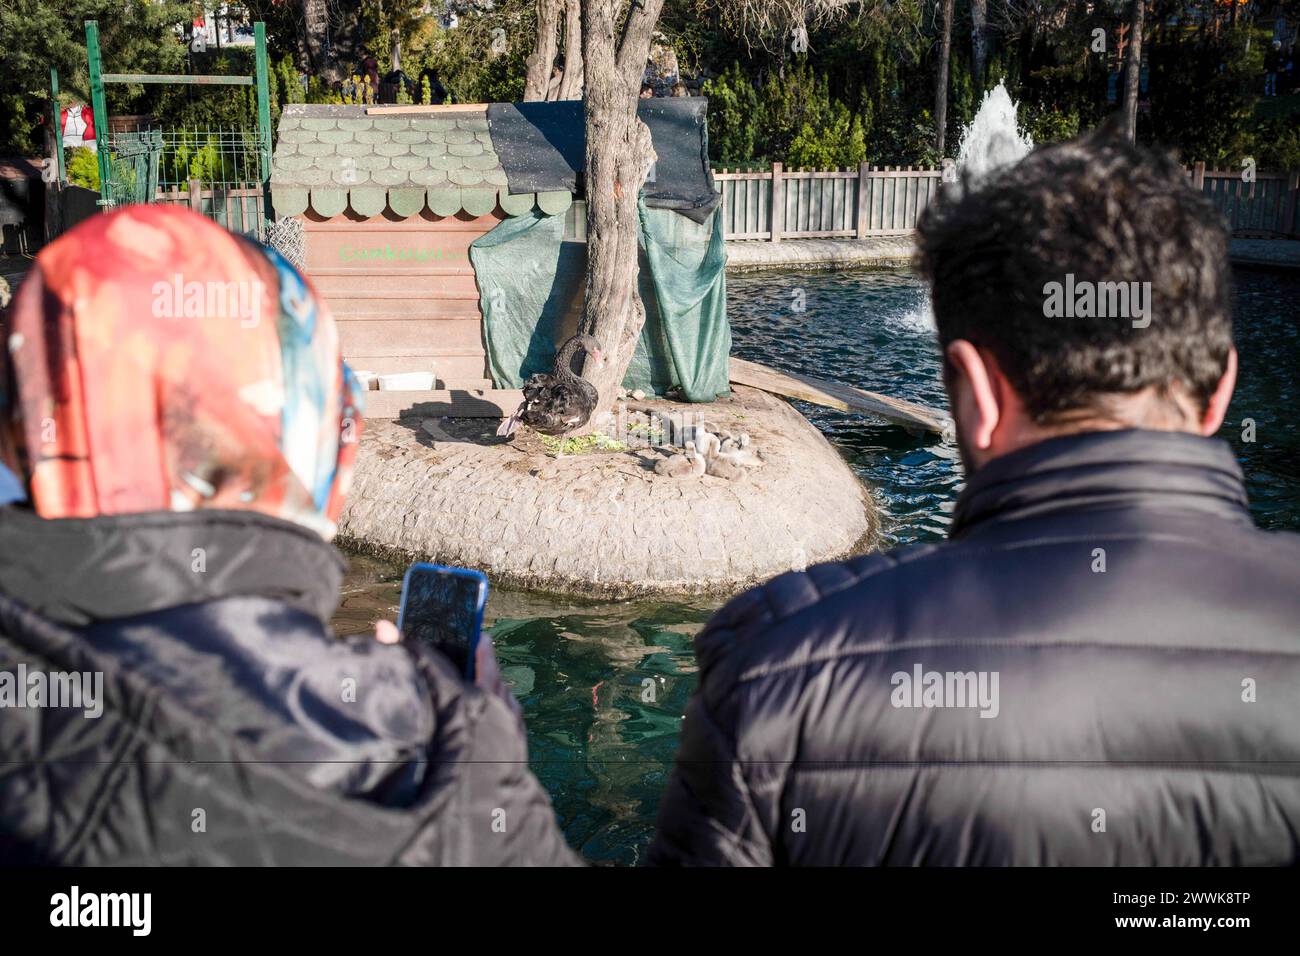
{"points": [[329, 158]]}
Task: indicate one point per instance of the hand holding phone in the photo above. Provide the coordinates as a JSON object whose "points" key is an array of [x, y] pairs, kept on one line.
{"points": [[443, 607]]}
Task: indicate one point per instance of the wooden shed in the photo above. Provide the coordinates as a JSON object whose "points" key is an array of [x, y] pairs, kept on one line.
{"points": [[389, 206], [391, 199]]}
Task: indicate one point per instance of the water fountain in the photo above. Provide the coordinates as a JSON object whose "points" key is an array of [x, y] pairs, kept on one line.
{"points": [[993, 139]]}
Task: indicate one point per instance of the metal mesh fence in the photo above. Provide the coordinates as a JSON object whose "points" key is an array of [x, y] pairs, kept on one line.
{"points": [[287, 237], [217, 172]]}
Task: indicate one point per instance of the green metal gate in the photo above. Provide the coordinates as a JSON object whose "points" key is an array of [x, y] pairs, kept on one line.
{"points": [[220, 173]]}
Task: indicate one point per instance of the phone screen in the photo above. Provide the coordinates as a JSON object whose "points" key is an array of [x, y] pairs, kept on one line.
{"points": [[444, 607]]}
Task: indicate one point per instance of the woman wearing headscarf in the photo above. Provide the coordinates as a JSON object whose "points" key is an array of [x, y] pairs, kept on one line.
{"points": [[177, 432]]}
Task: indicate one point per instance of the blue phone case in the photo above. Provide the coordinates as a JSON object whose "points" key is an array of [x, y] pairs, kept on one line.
{"points": [[475, 622]]}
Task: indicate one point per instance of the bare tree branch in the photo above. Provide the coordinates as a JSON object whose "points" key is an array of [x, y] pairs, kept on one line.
{"points": [[770, 23]]}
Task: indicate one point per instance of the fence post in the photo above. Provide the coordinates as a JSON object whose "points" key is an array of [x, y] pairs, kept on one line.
{"points": [[263, 97], [776, 216], [1198, 176], [1290, 212], [863, 180], [196, 195], [57, 117], [99, 109]]}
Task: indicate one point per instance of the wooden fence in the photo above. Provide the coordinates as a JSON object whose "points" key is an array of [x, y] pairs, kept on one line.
{"points": [[1264, 208], [239, 207], [838, 203], [885, 201]]}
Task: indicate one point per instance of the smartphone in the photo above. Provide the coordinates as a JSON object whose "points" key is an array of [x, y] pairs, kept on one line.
{"points": [[443, 607]]}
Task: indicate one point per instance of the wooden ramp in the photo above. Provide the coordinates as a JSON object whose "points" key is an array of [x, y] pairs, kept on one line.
{"points": [[913, 417], [498, 403]]}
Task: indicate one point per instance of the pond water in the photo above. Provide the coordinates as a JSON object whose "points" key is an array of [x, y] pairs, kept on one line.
{"points": [[579, 667]]}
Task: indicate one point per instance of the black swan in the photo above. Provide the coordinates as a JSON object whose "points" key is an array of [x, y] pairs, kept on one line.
{"points": [[562, 401]]}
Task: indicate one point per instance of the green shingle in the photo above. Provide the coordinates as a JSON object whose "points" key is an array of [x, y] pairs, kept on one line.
{"points": [[368, 200], [390, 177], [429, 149], [329, 201], [429, 176], [289, 163], [427, 125], [410, 162]]}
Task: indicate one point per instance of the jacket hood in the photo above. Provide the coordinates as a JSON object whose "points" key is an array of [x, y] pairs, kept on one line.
{"points": [[1113, 469], [78, 571]]}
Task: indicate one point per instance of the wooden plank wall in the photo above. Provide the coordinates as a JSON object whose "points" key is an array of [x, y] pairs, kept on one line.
{"points": [[403, 292]]}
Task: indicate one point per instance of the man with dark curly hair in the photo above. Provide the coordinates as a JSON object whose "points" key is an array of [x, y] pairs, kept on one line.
{"points": [[1102, 663]]}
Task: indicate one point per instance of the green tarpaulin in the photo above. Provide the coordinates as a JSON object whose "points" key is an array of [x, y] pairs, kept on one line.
{"points": [[531, 285]]}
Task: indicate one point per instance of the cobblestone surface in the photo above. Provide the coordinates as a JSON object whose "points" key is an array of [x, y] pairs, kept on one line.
{"points": [[604, 523]]}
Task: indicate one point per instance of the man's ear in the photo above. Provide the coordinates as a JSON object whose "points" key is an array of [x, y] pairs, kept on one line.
{"points": [[1217, 407], [974, 395]]}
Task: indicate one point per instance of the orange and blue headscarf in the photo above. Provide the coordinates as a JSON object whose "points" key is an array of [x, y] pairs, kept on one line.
{"points": [[157, 362]]}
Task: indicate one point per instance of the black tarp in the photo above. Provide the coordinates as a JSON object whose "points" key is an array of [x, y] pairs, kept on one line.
{"points": [[542, 147]]}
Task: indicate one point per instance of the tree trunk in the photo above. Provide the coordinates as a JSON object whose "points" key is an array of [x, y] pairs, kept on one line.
{"points": [[542, 62], [941, 83], [979, 41], [1133, 69], [619, 156], [571, 84], [395, 50]]}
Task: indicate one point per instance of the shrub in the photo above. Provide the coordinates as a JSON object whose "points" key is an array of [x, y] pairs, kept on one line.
{"points": [[83, 168], [733, 117], [840, 141], [1047, 124]]}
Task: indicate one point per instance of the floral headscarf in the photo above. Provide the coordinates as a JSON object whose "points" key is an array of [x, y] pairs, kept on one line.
{"points": [[156, 362]]}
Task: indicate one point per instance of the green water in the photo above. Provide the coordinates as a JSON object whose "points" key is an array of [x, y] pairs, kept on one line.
{"points": [[604, 684], [600, 738]]}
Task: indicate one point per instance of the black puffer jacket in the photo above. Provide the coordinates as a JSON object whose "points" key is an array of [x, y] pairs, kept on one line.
{"points": [[234, 728], [1147, 713]]}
